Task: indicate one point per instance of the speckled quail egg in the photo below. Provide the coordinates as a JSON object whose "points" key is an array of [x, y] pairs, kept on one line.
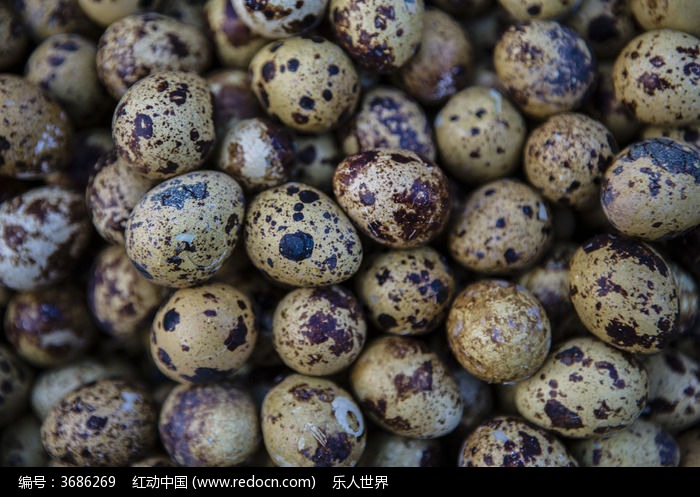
{"points": [[443, 64], [113, 189], [511, 442], [688, 297], [312, 422], [44, 18], [657, 74], [164, 124], [64, 65], [189, 11], [35, 132], [395, 196], [503, 226], [625, 293], [16, 378], [605, 107], [14, 39], [89, 145], [387, 450], [607, 25], [565, 158], [674, 390], [20, 444], [235, 43], [689, 133], [319, 331], [315, 160], [675, 14], [280, 18], [50, 326], [406, 388], [538, 9], [388, 118], [234, 99], [326, 84], [406, 292], [651, 189], [45, 232], [479, 135], [689, 444], [139, 45], [585, 388], [549, 282], [209, 425], [498, 331], [258, 153], [183, 229], [203, 334], [110, 422], [379, 35], [547, 67], [299, 236], [121, 301], [642, 444], [105, 13], [52, 384]]}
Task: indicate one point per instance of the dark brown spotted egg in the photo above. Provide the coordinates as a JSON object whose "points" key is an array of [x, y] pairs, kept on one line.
{"points": [[258, 153], [679, 14], [406, 388], [138, 45], [14, 39], [505, 441], [443, 64], [565, 158], [50, 326], [642, 444], [17, 378], [35, 132], [183, 230], [625, 293], [233, 99], [110, 422], [538, 9], [90, 145], [105, 13], [547, 67], [235, 43], [503, 226], [112, 191], [689, 133], [395, 196], [274, 19], [607, 25], [315, 160], [209, 425], [164, 124], [20, 444], [326, 84], [674, 390], [44, 18], [651, 189], [479, 135], [388, 118], [498, 331], [298, 236], [319, 331], [584, 389], [312, 422], [387, 450], [657, 74], [379, 35], [407, 292], [45, 232], [203, 334], [121, 301], [64, 65]]}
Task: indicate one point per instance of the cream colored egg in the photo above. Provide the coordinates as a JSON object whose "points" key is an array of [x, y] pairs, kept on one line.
{"points": [[675, 14], [105, 13], [280, 18], [235, 43]]}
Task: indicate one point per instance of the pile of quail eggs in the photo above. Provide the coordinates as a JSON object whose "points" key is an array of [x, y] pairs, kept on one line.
{"points": [[350, 233]]}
